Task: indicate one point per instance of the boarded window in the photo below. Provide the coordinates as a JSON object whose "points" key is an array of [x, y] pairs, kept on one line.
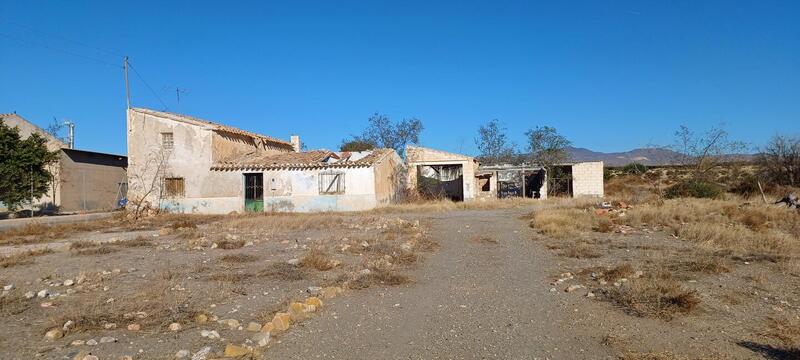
{"points": [[173, 187], [331, 183], [167, 142]]}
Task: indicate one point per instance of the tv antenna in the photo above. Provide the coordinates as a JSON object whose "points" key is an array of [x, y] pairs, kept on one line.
{"points": [[178, 92]]}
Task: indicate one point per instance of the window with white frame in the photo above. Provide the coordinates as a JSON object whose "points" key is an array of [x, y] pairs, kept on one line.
{"points": [[331, 183], [167, 141]]}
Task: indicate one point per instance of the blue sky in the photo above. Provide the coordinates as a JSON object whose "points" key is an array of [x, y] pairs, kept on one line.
{"points": [[610, 75]]}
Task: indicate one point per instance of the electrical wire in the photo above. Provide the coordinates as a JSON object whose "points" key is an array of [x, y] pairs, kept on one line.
{"points": [[40, 32], [148, 85], [23, 42]]}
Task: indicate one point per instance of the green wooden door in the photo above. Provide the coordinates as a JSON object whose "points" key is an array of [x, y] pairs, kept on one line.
{"points": [[254, 192]]}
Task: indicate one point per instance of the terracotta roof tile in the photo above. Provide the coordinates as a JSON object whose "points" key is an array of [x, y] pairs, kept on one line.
{"points": [[315, 159]]}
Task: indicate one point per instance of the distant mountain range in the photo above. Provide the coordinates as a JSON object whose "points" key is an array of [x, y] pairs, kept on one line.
{"points": [[646, 156]]}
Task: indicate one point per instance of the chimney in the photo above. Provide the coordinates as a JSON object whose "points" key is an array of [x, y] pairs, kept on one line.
{"points": [[295, 143]]}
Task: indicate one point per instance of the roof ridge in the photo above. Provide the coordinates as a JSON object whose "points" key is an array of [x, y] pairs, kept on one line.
{"points": [[218, 126]]}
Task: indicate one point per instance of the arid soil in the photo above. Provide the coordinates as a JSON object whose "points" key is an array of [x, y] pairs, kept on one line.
{"points": [[416, 283]]}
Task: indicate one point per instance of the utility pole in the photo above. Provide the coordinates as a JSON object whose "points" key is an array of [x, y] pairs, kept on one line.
{"points": [[31, 167], [127, 87]]}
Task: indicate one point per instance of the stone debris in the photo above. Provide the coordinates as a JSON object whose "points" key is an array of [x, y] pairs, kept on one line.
{"points": [[293, 262], [281, 321], [202, 354], [233, 324], [107, 339], [134, 327], [253, 327], [175, 327], [233, 351], [201, 318], [314, 290], [68, 324], [297, 311], [43, 293], [110, 326], [211, 334], [572, 288], [315, 302], [69, 282], [261, 339], [91, 342], [77, 343], [53, 334], [30, 295], [8, 287], [182, 354]]}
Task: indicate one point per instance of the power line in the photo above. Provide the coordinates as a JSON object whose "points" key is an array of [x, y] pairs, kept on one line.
{"points": [[148, 86], [33, 30], [59, 50]]}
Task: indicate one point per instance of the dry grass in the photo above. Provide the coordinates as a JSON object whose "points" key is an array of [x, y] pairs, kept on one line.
{"points": [[283, 271], [13, 304], [619, 272], [22, 258], [98, 249], [139, 241], [381, 277], [562, 223], [318, 259], [238, 258], [229, 275], [785, 330], [580, 251], [230, 244], [149, 305], [706, 265], [659, 296]]}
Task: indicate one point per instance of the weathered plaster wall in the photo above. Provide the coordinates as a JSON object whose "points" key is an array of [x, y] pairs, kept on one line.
{"points": [[298, 191], [390, 178], [86, 186], [587, 179], [226, 145]]}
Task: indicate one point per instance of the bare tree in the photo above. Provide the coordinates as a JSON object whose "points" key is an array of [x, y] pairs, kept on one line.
{"points": [[780, 159], [145, 182], [707, 151], [493, 143]]}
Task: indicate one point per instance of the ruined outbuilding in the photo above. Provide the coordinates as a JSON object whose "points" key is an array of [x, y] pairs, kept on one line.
{"points": [[184, 164], [441, 174]]}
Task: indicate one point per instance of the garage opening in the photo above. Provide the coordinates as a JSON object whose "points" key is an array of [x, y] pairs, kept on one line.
{"points": [[534, 180], [254, 192], [441, 181]]}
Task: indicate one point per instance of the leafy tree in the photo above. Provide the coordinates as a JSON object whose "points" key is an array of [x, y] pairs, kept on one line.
{"points": [[494, 145], [780, 159], [23, 166], [356, 145], [548, 148], [382, 132]]}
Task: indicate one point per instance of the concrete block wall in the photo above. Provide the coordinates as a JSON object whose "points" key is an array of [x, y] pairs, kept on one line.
{"points": [[587, 179]]}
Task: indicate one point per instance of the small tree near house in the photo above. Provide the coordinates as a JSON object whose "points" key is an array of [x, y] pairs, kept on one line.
{"points": [[382, 132], [23, 166], [146, 183], [494, 145], [548, 148]]}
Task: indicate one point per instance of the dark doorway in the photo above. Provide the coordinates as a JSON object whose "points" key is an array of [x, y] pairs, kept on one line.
{"points": [[534, 180], [254, 192], [441, 181], [561, 181]]}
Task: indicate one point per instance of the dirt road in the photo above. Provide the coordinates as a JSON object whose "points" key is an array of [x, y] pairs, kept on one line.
{"points": [[472, 299]]}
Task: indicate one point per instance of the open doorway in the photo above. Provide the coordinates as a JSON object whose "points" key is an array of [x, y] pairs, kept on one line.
{"points": [[561, 181], [254, 192], [534, 180], [441, 181]]}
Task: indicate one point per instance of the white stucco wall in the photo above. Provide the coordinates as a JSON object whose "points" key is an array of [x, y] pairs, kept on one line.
{"points": [[298, 191]]}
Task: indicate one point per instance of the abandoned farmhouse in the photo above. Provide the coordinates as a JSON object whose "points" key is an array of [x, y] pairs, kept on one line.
{"points": [[82, 180], [184, 164], [179, 163]]}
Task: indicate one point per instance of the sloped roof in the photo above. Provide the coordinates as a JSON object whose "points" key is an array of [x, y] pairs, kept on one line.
{"points": [[212, 125], [316, 159], [27, 127]]}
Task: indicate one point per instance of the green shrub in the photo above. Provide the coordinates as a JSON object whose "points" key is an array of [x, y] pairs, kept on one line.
{"points": [[634, 168], [695, 189]]}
